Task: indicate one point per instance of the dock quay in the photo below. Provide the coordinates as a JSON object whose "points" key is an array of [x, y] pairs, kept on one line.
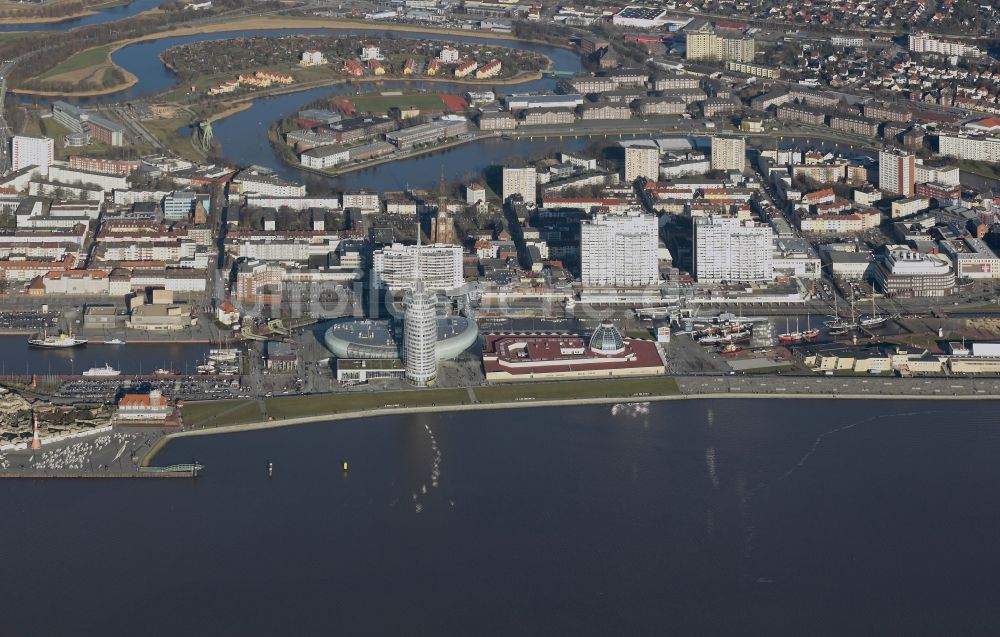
{"points": [[188, 471]]}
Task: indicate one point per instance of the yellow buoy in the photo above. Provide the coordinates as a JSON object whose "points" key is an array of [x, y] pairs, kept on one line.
{"points": [[345, 465]]}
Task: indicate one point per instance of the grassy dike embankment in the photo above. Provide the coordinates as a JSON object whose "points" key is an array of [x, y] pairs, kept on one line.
{"points": [[263, 24], [235, 416]]}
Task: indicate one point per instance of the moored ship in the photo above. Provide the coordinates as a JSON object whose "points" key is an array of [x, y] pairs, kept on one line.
{"points": [[107, 370], [63, 340]]}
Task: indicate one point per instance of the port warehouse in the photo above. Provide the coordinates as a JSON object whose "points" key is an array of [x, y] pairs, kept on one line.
{"points": [[977, 358]]}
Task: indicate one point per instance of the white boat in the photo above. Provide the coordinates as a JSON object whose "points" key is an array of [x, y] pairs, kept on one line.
{"points": [[115, 341], [107, 370], [63, 340], [223, 354]]}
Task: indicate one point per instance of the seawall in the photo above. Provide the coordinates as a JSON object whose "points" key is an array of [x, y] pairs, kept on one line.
{"points": [[372, 413]]}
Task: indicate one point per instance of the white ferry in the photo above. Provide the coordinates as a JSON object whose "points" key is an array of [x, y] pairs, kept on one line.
{"points": [[107, 370]]}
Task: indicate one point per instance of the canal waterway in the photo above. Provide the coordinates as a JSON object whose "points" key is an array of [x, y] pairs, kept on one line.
{"points": [[100, 16], [776, 517]]}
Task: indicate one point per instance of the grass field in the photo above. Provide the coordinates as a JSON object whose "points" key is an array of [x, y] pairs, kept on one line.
{"points": [[232, 412], [82, 61], [220, 412], [570, 390], [298, 406], [382, 103]]}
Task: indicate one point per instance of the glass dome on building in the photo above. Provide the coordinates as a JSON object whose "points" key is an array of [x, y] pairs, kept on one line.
{"points": [[607, 340]]}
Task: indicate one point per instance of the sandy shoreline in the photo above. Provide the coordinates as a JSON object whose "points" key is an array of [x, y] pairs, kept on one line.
{"points": [[27, 20], [372, 413]]}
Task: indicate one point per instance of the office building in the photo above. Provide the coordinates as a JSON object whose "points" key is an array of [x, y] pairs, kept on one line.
{"points": [[728, 153], [520, 181], [31, 151], [900, 271], [726, 249], [641, 161], [420, 329], [619, 250], [179, 205], [897, 171]]}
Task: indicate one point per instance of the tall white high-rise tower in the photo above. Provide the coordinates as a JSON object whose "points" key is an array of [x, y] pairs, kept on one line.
{"points": [[419, 330]]}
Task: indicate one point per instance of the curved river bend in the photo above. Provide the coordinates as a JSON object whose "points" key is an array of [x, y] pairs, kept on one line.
{"points": [[142, 59], [100, 16]]}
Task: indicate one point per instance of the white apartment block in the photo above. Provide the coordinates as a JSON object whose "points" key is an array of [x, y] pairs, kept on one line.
{"points": [[395, 267], [641, 162], [726, 249], [926, 43], [273, 249], [31, 151], [520, 181], [974, 148], [266, 184], [944, 175], [619, 250], [361, 200], [62, 173], [729, 153], [295, 203], [448, 55]]}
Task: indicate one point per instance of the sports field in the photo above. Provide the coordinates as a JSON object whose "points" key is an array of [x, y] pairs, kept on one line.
{"points": [[382, 103]]}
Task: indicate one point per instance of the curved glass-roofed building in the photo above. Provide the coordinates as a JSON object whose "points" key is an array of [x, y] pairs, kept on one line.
{"points": [[383, 338], [607, 340]]}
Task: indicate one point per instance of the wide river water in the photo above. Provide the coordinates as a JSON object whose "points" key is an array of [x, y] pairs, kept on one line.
{"points": [[726, 517], [100, 16]]}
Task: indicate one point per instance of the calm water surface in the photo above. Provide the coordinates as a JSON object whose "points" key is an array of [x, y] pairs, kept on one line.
{"points": [[100, 16], [701, 517], [133, 358]]}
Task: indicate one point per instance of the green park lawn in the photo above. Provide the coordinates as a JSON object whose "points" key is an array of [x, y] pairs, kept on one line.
{"points": [[82, 60], [302, 406], [580, 389], [382, 103], [220, 412]]}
